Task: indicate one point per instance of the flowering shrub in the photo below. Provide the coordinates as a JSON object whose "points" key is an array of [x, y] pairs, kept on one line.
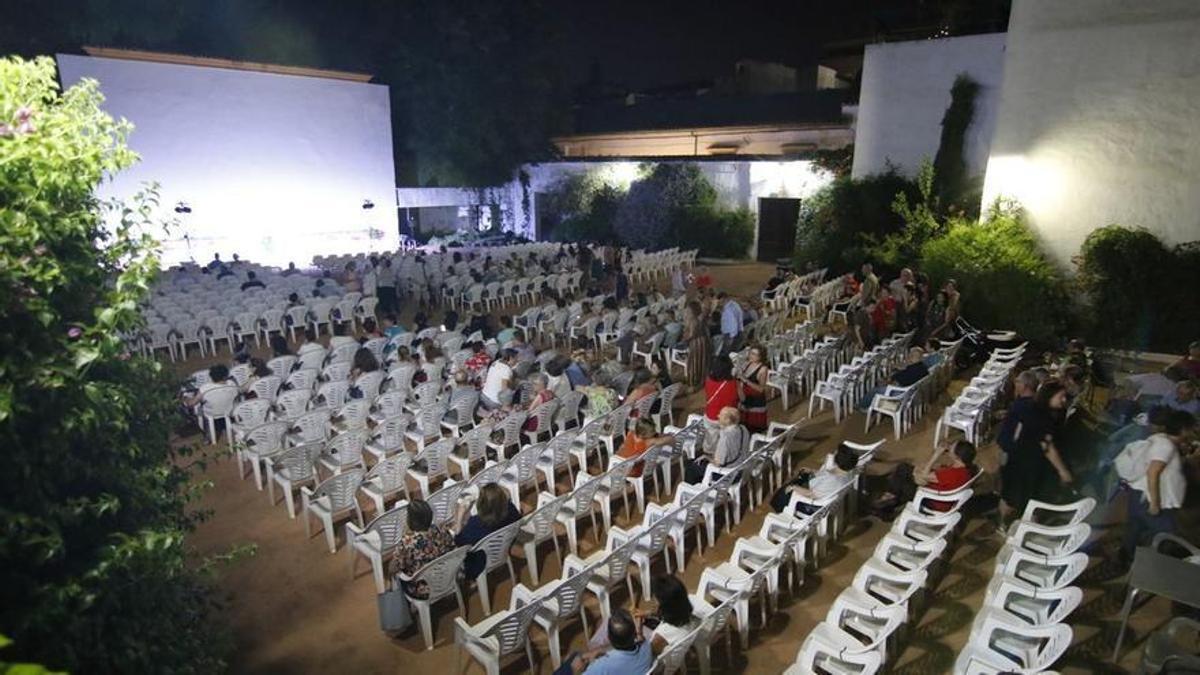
{"points": [[93, 572]]}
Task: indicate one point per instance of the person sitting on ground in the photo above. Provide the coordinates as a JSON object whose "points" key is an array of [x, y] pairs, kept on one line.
{"points": [[638, 440], [950, 467], [816, 486], [423, 543], [252, 281], [493, 510]]}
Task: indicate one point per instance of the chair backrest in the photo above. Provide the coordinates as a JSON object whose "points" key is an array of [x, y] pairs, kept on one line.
{"points": [[475, 441], [426, 393], [463, 403], [267, 437], [559, 447], [341, 490], [568, 595], [348, 446], [544, 412], [337, 371], [490, 473], [443, 501], [617, 561], [297, 464], [281, 365], [303, 380], [510, 427], [333, 394], [401, 376], [354, 413], [291, 405], [434, 455], [644, 404], [441, 575], [674, 657], [667, 396], [429, 419], [568, 408], [620, 383], [369, 383], [390, 526], [541, 523], [251, 413], [512, 632], [496, 546], [390, 473], [266, 388], [389, 404], [525, 462], [219, 401], [312, 426]]}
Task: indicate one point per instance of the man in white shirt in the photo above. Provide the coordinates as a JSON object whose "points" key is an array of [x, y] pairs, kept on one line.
{"points": [[1157, 494], [370, 278], [731, 321], [498, 379], [821, 484]]}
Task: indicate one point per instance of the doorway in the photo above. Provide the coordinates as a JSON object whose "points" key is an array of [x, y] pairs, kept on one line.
{"points": [[776, 228]]}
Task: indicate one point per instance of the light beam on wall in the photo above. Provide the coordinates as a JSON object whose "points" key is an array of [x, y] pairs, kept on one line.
{"points": [[1035, 182]]}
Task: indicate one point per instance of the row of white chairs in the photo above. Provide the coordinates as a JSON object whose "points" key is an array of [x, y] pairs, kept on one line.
{"points": [[907, 405], [843, 384], [971, 410], [861, 631], [1020, 627]]}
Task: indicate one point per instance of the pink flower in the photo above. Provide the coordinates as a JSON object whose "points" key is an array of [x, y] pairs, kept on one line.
{"points": [[74, 332], [26, 127], [24, 113]]}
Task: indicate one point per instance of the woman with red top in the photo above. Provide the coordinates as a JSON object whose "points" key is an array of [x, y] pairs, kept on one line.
{"points": [[644, 384], [884, 316], [720, 389], [643, 437], [703, 278], [949, 468]]}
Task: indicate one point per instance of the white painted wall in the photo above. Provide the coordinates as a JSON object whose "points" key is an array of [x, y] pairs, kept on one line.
{"points": [[905, 92], [1099, 120], [275, 167]]}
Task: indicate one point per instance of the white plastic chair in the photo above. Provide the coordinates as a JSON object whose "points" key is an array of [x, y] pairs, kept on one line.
{"points": [[497, 549], [609, 566], [1017, 646], [258, 444], [292, 469], [496, 637], [386, 480], [1034, 607], [441, 579], [1058, 514], [430, 463], [1041, 572], [539, 526], [217, 404], [561, 599], [474, 446], [377, 541], [1046, 540], [730, 580], [819, 656], [330, 501], [555, 456]]}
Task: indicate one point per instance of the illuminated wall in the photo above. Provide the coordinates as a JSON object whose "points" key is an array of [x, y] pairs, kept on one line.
{"points": [[1099, 120], [274, 167], [905, 92]]}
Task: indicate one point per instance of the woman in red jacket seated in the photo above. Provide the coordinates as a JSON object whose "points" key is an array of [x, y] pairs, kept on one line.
{"points": [[948, 468]]}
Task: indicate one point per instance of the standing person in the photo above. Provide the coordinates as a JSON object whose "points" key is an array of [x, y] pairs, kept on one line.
{"points": [[370, 277], [862, 326], [870, 284], [696, 336], [731, 321], [385, 286], [753, 378], [1034, 460], [720, 388], [1153, 469], [946, 329]]}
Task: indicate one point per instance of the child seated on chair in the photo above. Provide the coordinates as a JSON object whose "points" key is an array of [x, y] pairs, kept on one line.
{"points": [[949, 468], [818, 485]]}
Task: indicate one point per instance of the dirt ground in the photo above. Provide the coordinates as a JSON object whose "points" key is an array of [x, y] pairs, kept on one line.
{"points": [[294, 607]]}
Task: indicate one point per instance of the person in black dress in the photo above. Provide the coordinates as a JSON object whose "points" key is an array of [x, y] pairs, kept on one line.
{"points": [[1034, 468]]}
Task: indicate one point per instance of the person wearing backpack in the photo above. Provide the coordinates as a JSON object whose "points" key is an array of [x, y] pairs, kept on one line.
{"points": [[1153, 471]]}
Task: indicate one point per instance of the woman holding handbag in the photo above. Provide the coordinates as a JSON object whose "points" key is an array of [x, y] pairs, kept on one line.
{"points": [[753, 378]]}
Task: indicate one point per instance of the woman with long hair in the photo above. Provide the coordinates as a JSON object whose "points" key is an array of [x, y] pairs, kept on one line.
{"points": [[753, 378], [1035, 469], [695, 336], [493, 510]]}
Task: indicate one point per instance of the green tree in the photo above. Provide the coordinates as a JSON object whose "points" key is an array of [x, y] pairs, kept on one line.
{"points": [[1005, 279], [838, 223], [93, 572]]}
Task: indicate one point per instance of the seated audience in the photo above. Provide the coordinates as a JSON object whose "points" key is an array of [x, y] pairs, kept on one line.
{"points": [[818, 485], [638, 440], [252, 281], [423, 543], [949, 468], [493, 510]]}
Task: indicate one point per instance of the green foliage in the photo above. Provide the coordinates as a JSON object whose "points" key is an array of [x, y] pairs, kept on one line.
{"points": [[838, 161], [93, 573], [836, 224], [671, 204], [1005, 280], [922, 222], [953, 187], [7, 668], [1139, 292]]}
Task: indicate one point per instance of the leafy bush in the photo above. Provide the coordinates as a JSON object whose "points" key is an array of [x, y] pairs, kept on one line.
{"points": [[834, 224], [922, 218], [93, 572], [1139, 292], [670, 205], [1005, 280]]}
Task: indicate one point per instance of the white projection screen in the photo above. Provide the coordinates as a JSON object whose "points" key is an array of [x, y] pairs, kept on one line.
{"points": [[274, 167]]}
